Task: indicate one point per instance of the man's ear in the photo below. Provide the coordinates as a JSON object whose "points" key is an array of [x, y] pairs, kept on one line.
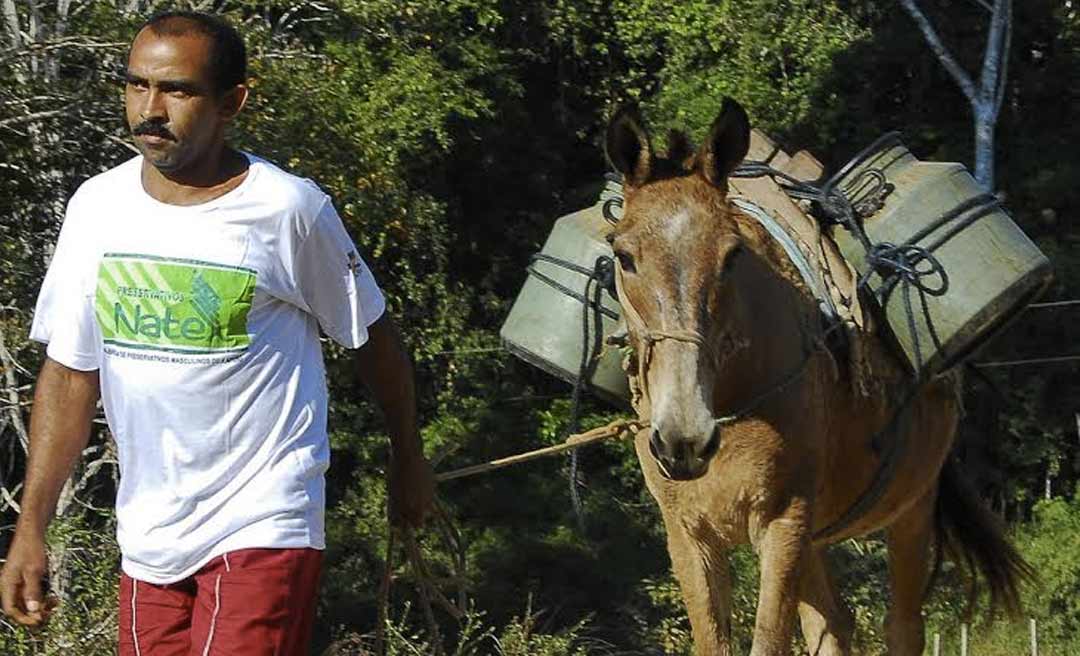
{"points": [[233, 101], [727, 144], [628, 147]]}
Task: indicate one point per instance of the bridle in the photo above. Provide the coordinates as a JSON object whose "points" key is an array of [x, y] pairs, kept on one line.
{"points": [[649, 337]]}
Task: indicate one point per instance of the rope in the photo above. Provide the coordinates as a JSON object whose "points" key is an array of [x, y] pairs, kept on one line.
{"points": [[890, 460], [427, 592], [571, 266], [575, 409], [784, 383], [597, 280], [619, 428], [600, 278], [608, 212], [425, 586], [910, 266]]}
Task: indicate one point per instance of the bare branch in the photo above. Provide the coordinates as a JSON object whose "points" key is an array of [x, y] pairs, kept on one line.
{"points": [[11, 22], [93, 467], [122, 142], [944, 56], [35, 20], [34, 117], [992, 64], [76, 42], [63, 11], [31, 99], [135, 5], [9, 498], [15, 415], [34, 34], [109, 136], [80, 8], [1002, 80]]}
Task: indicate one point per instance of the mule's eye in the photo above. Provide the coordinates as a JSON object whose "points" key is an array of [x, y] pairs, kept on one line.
{"points": [[626, 261]]}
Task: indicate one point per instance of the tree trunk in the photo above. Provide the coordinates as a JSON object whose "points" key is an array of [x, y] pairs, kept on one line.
{"points": [[984, 148], [986, 97]]}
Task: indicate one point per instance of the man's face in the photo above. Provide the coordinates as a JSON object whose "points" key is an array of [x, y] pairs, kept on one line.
{"points": [[175, 113]]}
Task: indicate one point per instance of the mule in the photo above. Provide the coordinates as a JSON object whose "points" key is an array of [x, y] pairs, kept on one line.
{"points": [[755, 434]]}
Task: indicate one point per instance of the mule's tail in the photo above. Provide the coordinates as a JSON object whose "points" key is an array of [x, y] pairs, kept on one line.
{"points": [[974, 538]]}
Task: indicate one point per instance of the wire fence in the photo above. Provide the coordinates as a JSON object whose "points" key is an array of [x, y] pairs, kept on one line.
{"points": [[1033, 642]]}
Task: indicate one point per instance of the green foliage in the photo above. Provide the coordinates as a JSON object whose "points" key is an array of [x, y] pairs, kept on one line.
{"points": [[520, 637], [85, 623], [681, 59], [772, 56], [668, 627], [1049, 541]]}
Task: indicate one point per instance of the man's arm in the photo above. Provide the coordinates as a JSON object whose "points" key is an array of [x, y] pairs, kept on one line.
{"points": [[386, 371], [65, 401]]}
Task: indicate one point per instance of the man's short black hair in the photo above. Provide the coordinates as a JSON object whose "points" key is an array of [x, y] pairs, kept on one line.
{"points": [[228, 57]]}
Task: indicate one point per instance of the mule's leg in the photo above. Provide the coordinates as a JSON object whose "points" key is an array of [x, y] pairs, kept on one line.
{"points": [[909, 540], [827, 624], [702, 572], [783, 548]]}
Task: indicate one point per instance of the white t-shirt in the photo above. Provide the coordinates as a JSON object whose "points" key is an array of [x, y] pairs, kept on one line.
{"points": [[204, 323]]}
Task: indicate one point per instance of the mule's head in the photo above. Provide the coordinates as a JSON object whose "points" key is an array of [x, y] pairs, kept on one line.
{"points": [[675, 248]]}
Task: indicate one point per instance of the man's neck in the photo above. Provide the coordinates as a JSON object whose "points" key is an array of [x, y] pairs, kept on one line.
{"points": [[212, 178]]}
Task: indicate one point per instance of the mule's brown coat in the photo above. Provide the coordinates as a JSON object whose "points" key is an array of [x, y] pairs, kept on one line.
{"points": [[690, 262]]}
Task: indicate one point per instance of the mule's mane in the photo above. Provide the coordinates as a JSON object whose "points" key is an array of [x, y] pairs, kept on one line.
{"points": [[679, 147]]}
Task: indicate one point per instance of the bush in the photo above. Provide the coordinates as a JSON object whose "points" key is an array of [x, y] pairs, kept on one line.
{"points": [[84, 624]]}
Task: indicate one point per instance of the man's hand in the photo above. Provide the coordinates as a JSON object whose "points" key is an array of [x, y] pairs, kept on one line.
{"points": [[65, 401], [412, 491], [21, 580]]}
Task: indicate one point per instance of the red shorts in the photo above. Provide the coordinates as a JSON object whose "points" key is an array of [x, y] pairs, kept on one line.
{"points": [[251, 602]]}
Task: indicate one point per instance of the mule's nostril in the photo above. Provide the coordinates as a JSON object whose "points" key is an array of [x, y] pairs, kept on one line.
{"points": [[655, 443], [712, 446]]}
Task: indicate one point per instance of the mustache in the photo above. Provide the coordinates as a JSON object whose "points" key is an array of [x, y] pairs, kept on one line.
{"points": [[152, 129]]}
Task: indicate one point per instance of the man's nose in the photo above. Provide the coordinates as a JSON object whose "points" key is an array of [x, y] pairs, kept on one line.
{"points": [[153, 105]]}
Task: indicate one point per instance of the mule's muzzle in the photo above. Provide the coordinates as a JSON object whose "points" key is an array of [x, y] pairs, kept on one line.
{"points": [[682, 459]]}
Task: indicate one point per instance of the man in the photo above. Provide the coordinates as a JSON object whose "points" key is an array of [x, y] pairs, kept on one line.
{"points": [[187, 288]]}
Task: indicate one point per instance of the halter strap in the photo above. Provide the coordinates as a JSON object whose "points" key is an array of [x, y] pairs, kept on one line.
{"points": [[651, 337]]}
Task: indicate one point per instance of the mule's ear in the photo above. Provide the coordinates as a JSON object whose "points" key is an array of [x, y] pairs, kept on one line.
{"points": [[726, 145], [628, 147]]}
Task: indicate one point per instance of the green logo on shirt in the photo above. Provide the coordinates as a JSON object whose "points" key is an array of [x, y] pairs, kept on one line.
{"points": [[175, 305]]}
